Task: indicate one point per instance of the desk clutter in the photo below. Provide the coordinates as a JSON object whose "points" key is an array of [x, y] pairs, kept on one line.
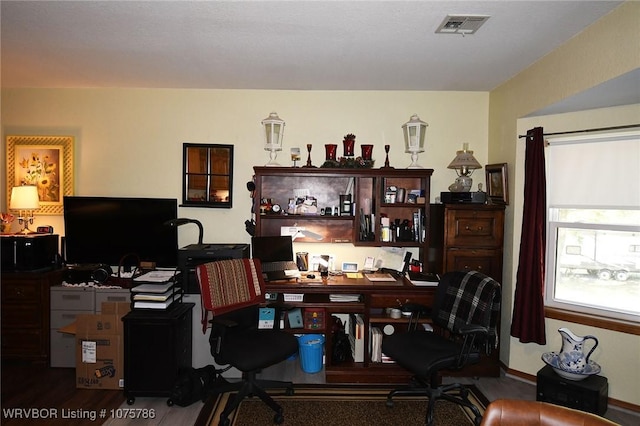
{"points": [[157, 289]]}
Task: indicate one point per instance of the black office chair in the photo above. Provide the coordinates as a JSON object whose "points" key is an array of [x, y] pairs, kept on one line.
{"points": [[465, 314], [231, 290]]}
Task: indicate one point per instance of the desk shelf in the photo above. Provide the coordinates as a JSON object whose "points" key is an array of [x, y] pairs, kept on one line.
{"points": [[374, 299]]}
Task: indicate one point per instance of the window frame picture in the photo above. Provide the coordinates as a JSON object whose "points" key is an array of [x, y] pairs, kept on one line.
{"points": [[207, 175], [497, 183], [43, 161]]}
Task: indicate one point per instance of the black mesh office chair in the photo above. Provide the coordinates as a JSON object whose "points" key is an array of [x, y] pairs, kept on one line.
{"points": [[231, 290], [465, 314]]}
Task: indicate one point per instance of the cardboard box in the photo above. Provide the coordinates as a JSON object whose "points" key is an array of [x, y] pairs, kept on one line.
{"points": [[100, 348]]}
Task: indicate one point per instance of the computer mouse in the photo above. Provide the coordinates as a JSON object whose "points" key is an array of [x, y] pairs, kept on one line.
{"points": [[311, 276]]}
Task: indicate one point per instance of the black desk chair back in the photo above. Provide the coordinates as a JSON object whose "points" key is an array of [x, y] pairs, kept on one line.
{"points": [[465, 315], [232, 291]]}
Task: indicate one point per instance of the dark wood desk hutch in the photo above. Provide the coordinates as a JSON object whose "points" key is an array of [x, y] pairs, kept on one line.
{"points": [[370, 201]]}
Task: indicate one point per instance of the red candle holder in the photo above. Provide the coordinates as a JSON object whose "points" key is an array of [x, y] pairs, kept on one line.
{"points": [[367, 151], [330, 150], [349, 145]]}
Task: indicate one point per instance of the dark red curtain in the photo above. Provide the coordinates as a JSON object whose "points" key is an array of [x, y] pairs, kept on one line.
{"points": [[528, 307]]}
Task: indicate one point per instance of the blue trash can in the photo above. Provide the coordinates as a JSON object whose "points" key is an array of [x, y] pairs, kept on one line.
{"points": [[311, 349]]}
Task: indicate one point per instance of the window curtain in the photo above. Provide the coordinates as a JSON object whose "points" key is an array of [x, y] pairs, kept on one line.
{"points": [[528, 309]]}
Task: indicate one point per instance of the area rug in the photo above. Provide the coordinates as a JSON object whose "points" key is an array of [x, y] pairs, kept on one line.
{"points": [[342, 405]]}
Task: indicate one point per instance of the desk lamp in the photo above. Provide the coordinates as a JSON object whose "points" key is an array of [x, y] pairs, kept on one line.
{"points": [[25, 200], [464, 164], [174, 223]]}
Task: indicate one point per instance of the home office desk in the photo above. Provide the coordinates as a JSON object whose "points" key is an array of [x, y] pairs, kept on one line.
{"points": [[375, 298]]}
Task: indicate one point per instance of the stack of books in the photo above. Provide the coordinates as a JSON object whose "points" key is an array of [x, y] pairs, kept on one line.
{"points": [[156, 290]]}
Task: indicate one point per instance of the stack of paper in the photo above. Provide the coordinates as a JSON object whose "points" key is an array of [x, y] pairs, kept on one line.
{"points": [[344, 297], [155, 290]]}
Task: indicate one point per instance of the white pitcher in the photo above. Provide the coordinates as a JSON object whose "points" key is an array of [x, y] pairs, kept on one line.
{"points": [[572, 355]]}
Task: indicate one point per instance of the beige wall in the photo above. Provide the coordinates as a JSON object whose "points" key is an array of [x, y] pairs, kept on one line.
{"points": [[605, 50], [129, 142]]}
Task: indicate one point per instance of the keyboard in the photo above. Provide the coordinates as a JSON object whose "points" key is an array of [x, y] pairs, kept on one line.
{"points": [[279, 266]]}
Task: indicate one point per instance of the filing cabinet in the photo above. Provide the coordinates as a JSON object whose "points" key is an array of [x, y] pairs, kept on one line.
{"points": [[473, 238], [66, 304]]}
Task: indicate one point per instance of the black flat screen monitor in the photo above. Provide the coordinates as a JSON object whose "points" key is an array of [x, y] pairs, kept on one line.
{"points": [[105, 229]]}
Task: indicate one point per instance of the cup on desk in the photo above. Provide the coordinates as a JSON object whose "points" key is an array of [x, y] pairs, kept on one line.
{"points": [[395, 313]]}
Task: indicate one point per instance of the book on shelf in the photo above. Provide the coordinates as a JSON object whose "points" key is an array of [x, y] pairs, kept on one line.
{"points": [[376, 344], [355, 331]]}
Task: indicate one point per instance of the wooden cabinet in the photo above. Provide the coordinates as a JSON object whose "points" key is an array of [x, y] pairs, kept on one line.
{"points": [[473, 238], [25, 314], [310, 199], [371, 307]]}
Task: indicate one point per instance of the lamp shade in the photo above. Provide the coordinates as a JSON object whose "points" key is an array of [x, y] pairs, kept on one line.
{"points": [[24, 198], [273, 132], [464, 161], [414, 131]]}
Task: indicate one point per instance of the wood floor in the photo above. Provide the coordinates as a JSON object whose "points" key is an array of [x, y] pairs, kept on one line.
{"points": [[40, 390]]}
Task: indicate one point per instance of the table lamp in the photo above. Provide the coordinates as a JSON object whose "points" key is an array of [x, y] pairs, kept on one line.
{"points": [[464, 164], [25, 200]]}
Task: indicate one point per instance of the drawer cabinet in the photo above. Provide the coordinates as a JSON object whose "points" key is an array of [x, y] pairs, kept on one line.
{"points": [[473, 238], [66, 304], [25, 314]]}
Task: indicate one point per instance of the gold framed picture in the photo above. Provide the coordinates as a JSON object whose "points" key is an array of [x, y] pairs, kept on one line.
{"points": [[497, 183], [43, 161]]}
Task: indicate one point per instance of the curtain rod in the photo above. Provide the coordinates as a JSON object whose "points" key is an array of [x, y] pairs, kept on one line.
{"points": [[586, 130]]}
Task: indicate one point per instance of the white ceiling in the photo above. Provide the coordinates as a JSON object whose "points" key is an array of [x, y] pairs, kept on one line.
{"points": [[298, 45]]}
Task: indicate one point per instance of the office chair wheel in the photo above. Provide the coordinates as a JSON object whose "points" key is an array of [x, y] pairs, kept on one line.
{"points": [[389, 403], [289, 391], [170, 402], [278, 418]]}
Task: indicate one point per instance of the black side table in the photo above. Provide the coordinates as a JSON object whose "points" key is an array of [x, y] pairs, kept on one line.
{"points": [[157, 346], [590, 394]]}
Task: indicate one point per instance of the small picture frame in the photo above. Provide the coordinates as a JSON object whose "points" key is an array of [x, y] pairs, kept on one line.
{"points": [[497, 183], [349, 266]]}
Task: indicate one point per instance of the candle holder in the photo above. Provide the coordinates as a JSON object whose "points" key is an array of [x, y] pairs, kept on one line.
{"points": [[349, 143], [309, 156], [386, 160], [330, 150], [367, 152]]}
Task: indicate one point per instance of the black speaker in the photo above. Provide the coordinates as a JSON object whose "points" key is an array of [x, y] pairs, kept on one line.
{"points": [[590, 394], [93, 272]]}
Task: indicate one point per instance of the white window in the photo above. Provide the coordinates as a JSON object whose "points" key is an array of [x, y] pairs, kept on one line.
{"points": [[593, 233]]}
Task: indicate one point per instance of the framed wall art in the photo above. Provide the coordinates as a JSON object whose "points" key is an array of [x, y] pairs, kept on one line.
{"points": [[207, 173], [43, 161], [497, 189]]}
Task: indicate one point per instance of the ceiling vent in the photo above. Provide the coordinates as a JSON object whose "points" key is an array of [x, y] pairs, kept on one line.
{"points": [[461, 24]]}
